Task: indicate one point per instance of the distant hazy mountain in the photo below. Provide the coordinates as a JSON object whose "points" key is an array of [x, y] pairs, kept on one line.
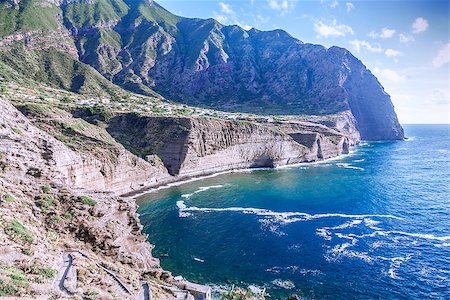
{"points": [[142, 47]]}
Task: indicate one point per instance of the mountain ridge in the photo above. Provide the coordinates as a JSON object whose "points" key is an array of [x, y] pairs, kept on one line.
{"points": [[144, 48]]}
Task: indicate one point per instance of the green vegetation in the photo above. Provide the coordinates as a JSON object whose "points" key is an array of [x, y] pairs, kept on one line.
{"points": [[55, 219], [45, 202], [17, 131], [87, 200], [27, 251], [17, 230], [67, 215], [81, 14], [12, 282], [41, 273], [54, 68], [9, 198], [45, 189]]}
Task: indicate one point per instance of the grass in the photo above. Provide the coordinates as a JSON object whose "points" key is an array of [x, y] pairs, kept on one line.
{"points": [[13, 283], [67, 215], [9, 198], [17, 229], [46, 201], [45, 189], [27, 252], [87, 200], [17, 131]]}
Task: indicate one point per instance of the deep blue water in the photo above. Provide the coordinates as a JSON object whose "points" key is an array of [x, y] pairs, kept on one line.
{"points": [[372, 225]]}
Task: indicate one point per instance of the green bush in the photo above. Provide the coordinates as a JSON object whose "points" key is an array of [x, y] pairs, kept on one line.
{"points": [[27, 251], [45, 189], [17, 131], [9, 198], [16, 228], [46, 273], [68, 215], [46, 202], [87, 200]]}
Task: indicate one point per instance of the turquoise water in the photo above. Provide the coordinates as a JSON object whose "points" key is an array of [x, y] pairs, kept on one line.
{"points": [[374, 224]]}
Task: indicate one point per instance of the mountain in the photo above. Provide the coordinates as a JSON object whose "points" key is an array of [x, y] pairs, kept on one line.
{"points": [[140, 46]]}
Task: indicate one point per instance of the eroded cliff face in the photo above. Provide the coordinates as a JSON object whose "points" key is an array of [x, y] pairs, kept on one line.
{"points": [[202, 146], [86, 156]]}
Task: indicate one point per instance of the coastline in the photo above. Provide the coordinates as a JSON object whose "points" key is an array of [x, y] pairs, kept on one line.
{"points": [[192, 178]]}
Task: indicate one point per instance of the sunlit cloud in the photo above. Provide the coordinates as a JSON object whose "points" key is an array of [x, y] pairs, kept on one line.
{"points": [[226, 8], [358, 45], [443, 56], [385, 33], [388, 75], [332, 29], [392, 53], [334, 4], [420, 25], [406, 38], [350, 6], [282, 6]]}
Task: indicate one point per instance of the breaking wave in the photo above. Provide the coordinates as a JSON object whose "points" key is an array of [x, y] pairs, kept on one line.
{"points": [[349, 166], [202, 189], [278, 217]]}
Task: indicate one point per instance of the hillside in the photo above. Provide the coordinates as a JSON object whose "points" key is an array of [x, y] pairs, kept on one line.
{"points": [[142, 47]]}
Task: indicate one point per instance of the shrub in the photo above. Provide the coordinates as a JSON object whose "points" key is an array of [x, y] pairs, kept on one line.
{"points": [[87, 200], [68, 215], [9, 198], [17, 131], [16, 228], [27, 251], [46, 202], [45, 189]]}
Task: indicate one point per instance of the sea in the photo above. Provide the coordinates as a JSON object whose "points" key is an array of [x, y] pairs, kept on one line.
{"points": [[373, 224]]}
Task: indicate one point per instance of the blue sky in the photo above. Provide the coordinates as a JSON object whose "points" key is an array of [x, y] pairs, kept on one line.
{"points": [[406, 44]]}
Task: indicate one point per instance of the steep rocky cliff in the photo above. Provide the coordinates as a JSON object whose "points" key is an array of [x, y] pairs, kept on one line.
{"points": [[144, 48], [201, 146]]}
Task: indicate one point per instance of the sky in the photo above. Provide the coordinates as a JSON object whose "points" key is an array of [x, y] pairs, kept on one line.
{"points": [[405, 43]]}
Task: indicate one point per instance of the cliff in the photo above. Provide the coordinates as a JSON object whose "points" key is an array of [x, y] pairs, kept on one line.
{"points": [[146, 49], [199, 146]]}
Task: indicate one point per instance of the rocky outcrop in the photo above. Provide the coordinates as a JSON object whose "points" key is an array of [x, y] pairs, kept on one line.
{"points": [[45, 214], [85, 156]]}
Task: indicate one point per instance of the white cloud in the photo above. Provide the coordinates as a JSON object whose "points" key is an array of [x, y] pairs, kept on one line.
{"points": [[221, 18], [392, 52], [419, 25], [228, 16], [334, 4], [385, 33], [350, 6], [333, 29], [226, 8], [358, 45], [443, 56], [388, 74], [439, 96], [406, 38], [282, 6]]}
